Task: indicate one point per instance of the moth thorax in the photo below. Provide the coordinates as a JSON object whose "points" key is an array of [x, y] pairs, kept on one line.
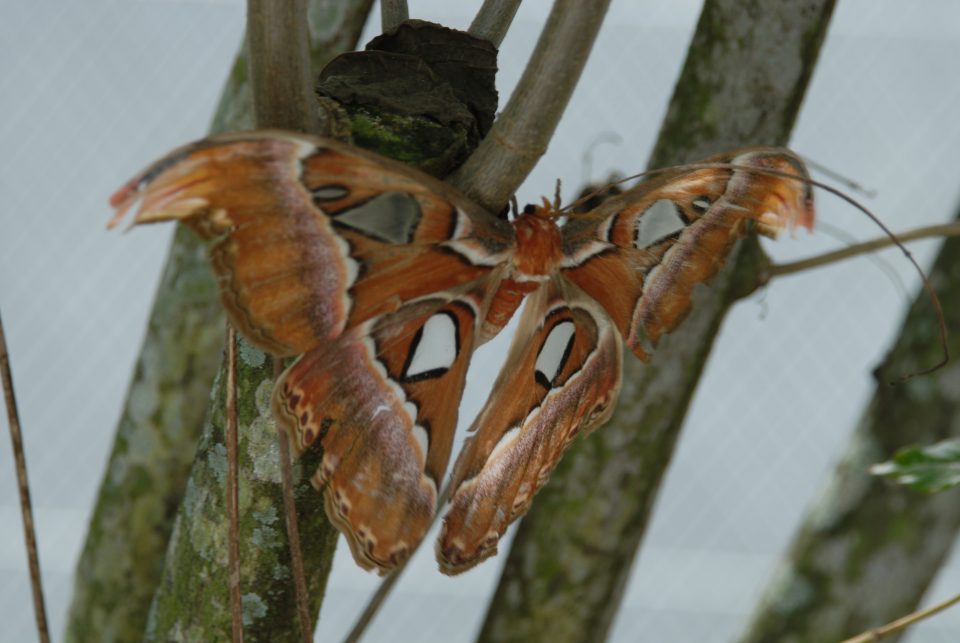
{"points": [[538, 244]]}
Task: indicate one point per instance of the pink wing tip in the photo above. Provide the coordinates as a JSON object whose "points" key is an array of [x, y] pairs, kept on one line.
{"points": [[806, 218], [122, 200]]}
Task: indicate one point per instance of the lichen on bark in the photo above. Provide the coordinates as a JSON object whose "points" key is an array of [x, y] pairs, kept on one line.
{"points": [[123, 555], [571, 558], [196, 561]]}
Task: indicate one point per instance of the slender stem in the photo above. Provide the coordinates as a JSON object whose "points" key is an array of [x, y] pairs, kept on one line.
{"points": [[827, 258], [280, 70], [520, 135], [293, 528], [392, 13], [233, 496], [493, 20], [374, 605], [26, 510], [386, 586], [903, 622]]}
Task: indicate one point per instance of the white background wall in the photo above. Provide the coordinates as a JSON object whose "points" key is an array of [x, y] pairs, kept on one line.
{"points": [[90, 92]]}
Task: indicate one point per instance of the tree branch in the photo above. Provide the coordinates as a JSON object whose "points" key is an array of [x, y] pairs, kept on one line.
{"points": [[884, 534], [520, 135], [866, 247], [392, 13], [156, 437], [571, 558], [902, 623], [493, 20], [280, 71]]}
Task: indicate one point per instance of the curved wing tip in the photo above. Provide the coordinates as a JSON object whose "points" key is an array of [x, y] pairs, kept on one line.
{"points": [[122, 201]]}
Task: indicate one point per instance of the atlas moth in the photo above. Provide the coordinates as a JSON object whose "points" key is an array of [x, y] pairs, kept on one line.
{"points": [[385, 280]]}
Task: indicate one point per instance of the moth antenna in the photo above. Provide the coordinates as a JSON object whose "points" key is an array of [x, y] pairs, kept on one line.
{"points": [[849, 183], [882, 264], [514, 206], [927, 286], [931, 293], [556, 196], [586, 159]]}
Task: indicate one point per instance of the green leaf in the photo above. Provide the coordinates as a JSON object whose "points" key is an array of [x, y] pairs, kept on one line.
{"points": [[931, 468]]}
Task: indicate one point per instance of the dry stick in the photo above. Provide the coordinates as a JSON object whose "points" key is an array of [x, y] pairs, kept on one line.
{"points": [[26, 510], [293, 529], [392, 13], [827, 258], [386, 586], [282, 41], [493, 20], [233, 496], [903, 622]]}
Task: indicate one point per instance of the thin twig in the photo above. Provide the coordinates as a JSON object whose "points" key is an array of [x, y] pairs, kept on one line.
{"points": [[904, 621], [293, 528], [26, 510], [387, 584], [833, 175], [392, 13], [279, 42], [520, 135], [233, 496], [827, 258], [493, 20]]}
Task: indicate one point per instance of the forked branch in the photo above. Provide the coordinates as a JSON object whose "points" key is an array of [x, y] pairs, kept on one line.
{"points": [[520, 135]]}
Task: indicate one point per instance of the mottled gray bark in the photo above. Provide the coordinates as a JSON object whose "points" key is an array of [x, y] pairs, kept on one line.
{"points": [[122, 559], [192, 599], [868, 549], [196, 561], [743, 81]]}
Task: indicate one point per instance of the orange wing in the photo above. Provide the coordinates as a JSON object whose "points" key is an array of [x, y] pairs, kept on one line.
{"points": [[382, 400], [561, 377], [642, 253], [311, 236]]}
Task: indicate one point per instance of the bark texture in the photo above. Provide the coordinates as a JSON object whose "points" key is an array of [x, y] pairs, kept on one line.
{"points": [[156, 438], [743, 82], [192, 600], [869, 548]]}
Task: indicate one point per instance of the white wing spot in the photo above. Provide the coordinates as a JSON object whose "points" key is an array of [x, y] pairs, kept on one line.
{"points": [[554, 352], [503, 443], [436, 348], [422, 439], [659, 221]]}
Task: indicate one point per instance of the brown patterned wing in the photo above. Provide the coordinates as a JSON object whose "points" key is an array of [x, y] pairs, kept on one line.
{"points": [[382, 400], [642, 253], [561, 377], [311, 236]]}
